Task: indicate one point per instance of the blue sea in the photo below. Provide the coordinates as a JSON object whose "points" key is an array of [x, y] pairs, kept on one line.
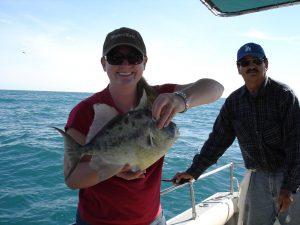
{"points": [[31, 158]]}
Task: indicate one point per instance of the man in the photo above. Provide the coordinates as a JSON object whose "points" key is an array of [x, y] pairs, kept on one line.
{"points": [[264, 115]]}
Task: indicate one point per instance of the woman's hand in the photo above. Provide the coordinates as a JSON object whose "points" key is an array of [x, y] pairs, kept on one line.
{"points": [[127, 174], [165, 107]]}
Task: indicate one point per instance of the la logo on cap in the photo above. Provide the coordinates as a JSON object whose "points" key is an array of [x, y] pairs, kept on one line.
{"points": [[247, 48]]}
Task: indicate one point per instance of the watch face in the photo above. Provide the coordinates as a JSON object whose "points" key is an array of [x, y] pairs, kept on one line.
{"points": [[187, 104]]}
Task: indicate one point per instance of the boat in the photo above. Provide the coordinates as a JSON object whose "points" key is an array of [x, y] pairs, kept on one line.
{"points": [[222, 208]]}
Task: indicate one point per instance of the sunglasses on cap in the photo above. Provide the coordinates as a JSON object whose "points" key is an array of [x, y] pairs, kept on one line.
{"points": [[244, 63], [134, 57]]}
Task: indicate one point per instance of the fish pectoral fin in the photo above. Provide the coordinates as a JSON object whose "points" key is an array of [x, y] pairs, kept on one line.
{"points": [[108, 171], [150, 139], [105, 170]]}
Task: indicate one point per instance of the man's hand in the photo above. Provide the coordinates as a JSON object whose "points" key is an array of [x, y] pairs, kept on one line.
{"points": [[285, 199], [127, 174], [181, 178]]}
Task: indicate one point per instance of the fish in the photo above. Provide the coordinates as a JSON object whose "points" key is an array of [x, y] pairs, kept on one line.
{"points": [[130, 138]]}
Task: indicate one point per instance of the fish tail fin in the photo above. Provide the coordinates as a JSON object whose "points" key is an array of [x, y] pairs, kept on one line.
{"points": [[73, 151]]}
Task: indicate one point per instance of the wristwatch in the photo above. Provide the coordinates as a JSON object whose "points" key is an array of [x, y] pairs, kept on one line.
{"points": [[184, 98]]}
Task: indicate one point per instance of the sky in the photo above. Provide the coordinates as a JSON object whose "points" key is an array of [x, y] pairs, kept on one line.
{"points": [[56, 45]]}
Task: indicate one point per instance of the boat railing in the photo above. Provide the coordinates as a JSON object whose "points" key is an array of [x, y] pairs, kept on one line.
{"points": [[191, 187]]}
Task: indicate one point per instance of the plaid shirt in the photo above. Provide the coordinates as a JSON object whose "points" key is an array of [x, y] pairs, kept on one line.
{"points": [[267, 127]]}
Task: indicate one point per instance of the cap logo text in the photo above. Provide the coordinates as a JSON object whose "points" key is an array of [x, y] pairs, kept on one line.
{"points": [[128, 35]]}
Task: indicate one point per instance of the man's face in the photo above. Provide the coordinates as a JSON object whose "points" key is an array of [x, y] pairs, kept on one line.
{"points": [[124, 65], [252, 69]]}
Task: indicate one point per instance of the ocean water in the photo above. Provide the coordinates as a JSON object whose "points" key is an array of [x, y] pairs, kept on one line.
{"points": [[31, 158]]}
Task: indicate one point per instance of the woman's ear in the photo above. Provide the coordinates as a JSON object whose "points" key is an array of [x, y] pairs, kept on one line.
{"points": [[145, 61], [103, 63]]}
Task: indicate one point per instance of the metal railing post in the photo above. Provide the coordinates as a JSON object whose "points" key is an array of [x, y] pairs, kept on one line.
{"points": [[192, 195], [231, 178]]}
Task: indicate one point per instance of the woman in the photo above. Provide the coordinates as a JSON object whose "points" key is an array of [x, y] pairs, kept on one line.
{"points": [[129, 197]]}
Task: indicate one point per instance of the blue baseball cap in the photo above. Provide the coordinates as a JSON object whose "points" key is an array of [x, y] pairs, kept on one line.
{"points": [[250, 49]]}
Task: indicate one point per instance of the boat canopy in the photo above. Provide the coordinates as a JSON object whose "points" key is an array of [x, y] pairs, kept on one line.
{"points": [[240, 7]]}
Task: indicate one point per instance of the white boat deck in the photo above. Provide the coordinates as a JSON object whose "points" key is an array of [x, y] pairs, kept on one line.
{"points": [[218, 209]]}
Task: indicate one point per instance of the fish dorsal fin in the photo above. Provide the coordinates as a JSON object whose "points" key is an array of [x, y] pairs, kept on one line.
{"points": [[103, 114], [143, 101]]}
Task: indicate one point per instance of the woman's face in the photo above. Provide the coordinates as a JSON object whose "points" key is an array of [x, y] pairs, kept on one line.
{"points": [[124, 66]]}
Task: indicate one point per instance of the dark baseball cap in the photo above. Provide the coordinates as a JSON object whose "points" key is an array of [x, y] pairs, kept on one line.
{"points": [[250, 49], [124, 36]]}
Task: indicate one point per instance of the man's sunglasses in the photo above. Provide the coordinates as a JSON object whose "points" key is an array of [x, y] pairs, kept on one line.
{"points": [[244, 63], [117, 58]]}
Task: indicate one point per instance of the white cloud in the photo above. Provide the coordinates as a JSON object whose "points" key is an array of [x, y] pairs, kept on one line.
{"points": [[264, 36], [54, 58], [43, 26], [5, 21], [54, 63]]}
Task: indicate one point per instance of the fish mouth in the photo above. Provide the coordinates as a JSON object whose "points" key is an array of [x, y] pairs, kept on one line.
{"points": [[172, 130]]}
